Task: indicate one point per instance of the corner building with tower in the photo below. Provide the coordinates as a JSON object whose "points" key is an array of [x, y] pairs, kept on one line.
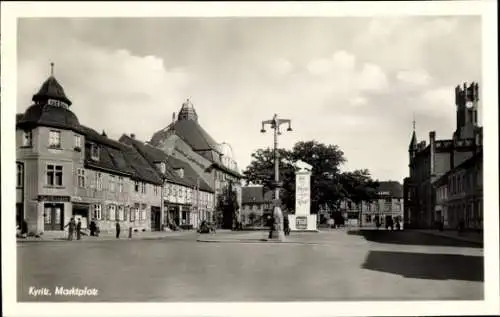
{"points": [[445, 176]]}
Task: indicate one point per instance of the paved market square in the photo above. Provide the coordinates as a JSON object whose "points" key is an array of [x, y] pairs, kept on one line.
{"points": [[332, 265]]}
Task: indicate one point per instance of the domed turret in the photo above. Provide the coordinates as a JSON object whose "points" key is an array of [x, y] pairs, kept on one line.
{"points": [[187, 112], [51, 107], [51, 90]]}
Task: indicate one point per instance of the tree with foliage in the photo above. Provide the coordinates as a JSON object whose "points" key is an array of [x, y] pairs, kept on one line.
{"points": [[326, 178]]}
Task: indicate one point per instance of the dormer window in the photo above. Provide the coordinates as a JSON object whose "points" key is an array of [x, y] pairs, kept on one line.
{"points": [[161, 167], [180, 172], [27, 138], [55, 139], [94, 152], [57, 103]]}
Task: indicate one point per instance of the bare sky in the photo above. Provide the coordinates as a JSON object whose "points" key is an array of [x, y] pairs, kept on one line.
{"points": [[354, 82]]}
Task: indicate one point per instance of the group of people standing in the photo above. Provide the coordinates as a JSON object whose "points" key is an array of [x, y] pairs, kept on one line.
{"points": [[75, 229]]}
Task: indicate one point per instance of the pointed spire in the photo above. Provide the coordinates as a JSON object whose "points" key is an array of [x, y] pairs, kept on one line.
{"points": [[104, 133], [52, 69], [413, 142]]}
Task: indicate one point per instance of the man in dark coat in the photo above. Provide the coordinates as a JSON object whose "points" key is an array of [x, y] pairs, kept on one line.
{"points": [[92, 228], [71, 228], [286, 225], [117, 230], [79, 229], [271, 226]]}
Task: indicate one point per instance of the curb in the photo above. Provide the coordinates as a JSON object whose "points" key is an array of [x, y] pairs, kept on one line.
{"points": [[256, 241], [94, 240]]}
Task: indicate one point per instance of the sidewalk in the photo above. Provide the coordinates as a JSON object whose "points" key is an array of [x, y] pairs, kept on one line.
{"points": [[473, 237], [106, 236]]}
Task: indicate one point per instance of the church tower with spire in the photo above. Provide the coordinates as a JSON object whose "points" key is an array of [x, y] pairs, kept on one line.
{"points": [[412, 148]]}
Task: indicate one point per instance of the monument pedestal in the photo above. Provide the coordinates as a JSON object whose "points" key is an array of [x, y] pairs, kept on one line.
{"points": [[302, 220]]}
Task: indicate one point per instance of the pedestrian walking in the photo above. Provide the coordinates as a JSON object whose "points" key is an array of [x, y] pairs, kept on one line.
{"points": [[286, 225], [79, 229], [92, 228], [71, 228], [271, 226], [117, 230]]}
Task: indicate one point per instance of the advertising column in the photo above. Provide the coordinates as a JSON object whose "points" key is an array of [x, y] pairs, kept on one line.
{"points": [[303, 220]]}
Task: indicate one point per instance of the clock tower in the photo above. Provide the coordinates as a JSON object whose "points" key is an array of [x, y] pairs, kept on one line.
{"points": [[466, 100]]}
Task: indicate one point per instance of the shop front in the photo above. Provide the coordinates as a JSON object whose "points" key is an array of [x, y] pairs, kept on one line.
{"points": [[54, 211]]}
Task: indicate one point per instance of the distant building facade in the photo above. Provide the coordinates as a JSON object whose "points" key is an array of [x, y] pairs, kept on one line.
{"points": [[459, 195], [255, 205], [428, 163], [388, 204]]}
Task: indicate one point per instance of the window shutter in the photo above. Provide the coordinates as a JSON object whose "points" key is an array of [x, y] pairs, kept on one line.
{"points": [[107, 212]]}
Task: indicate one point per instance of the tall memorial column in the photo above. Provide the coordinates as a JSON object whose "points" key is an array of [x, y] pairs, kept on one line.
{"points": [[302, 220]]}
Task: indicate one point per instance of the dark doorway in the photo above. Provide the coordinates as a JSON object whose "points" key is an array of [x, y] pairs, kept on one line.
{"points": [[81, 211], [19, 213], [53, 216], [155, 218]]}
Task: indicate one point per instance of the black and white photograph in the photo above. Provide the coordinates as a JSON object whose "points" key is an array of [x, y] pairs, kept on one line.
{"points": [[246, 154]]}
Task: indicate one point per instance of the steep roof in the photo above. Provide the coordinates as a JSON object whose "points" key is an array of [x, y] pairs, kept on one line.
{"points": [[394, 188], [189, 174], [153, 154], [118, 158], [142, 170], [51, 89], [252, 194], [255, 195], [191, 132], [48, 115]]}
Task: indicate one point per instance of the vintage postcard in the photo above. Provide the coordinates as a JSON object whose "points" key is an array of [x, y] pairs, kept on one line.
{"points": [[213, 159]]}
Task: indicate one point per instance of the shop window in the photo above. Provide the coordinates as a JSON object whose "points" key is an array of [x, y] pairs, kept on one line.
{"points": [[97, 212]]}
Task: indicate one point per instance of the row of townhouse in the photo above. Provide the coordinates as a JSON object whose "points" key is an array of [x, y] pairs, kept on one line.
{"points": [[388, 204], [459, 195], [65, 169], [255, 205]]}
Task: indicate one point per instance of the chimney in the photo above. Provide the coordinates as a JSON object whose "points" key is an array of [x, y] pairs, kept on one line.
{"points": [[132, 135], [432, 140]]}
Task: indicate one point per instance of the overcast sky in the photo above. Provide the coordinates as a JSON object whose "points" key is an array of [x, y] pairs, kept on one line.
{"points": [[354, 82]]}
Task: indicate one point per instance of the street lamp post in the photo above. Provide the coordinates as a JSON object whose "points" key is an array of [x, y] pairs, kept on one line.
{"points": [[275, 123]]}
